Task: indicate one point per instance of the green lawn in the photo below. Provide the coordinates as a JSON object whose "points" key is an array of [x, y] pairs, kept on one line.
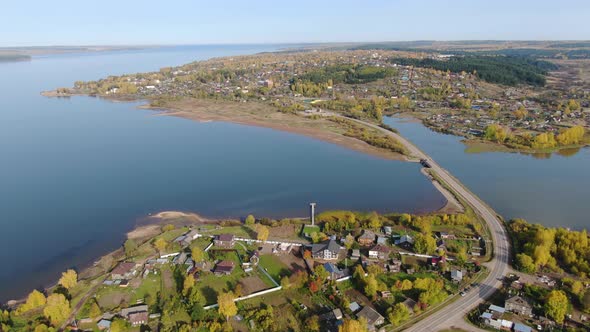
{"points": [[274, 267], [150, 285], [211, 285], [239, 231]]}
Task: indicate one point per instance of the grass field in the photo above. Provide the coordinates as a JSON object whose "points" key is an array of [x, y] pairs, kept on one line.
{"points": [[274, 267]]}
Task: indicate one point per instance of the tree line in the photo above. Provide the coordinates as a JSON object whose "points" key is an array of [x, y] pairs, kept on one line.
{"points": [[494, 69]]}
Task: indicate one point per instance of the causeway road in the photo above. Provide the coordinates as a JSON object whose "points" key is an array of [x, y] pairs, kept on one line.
{"points": [[452, 315]]}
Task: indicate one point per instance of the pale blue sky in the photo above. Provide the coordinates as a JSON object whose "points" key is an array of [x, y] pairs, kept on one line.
{"points": [[75, 22]]}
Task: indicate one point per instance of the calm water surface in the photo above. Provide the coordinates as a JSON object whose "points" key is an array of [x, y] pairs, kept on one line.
{"points": [[75, 174], [553, 189]]}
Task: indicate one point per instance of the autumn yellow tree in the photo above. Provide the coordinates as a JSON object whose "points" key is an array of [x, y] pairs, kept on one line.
{"points": [[160, 244], [35, 300], [262, 232], [557, 305], [227, 306], [188, 284], [351, 325], [250, 220], [69, 279], [57, 308], [197, 254]]}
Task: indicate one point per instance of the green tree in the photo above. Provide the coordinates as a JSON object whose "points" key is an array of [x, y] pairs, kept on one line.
{"points": [[94, 311], [320, 272], [250, 220], [57, 308], [557, 305], [525, 263], [398, 314], [119, 325], [130, 246], [69, 279]]}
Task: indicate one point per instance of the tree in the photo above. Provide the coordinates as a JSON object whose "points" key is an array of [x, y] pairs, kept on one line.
{"points": [[160, 244], [557, 305], [424, 243], [69, 279], [374, 222], [525, 263], [398, 314], [285, 282], [130, 246], [312, 323], [227, 306], [495, 133], [349, 241], [577, 288], [43, 328], [238, 290], [351, 325], [197, 254], [371, 286], [168, 227], [35, 300], [57, 308], [119, 325], [188, 284], [250, 220], [321, 273], [94, 311], [544, 141], [461, 256], [521, 113], [262, 233]]}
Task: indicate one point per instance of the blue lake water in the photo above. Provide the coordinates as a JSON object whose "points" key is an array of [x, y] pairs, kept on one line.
{"points": [[76, 174], [551, 189]]}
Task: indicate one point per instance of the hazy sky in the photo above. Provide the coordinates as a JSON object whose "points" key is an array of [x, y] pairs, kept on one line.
{"points": [[71, 22]]}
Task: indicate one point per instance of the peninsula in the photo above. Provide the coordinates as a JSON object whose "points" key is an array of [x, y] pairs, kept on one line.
{"points": [[495, 100]]}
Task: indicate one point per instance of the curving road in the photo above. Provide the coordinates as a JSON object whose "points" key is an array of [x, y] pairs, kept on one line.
{"points": [[453, 314]]}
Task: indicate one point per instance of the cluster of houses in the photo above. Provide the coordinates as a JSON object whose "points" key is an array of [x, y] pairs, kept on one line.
{"points": [[517, 305], [335, 318], [136, 316]]}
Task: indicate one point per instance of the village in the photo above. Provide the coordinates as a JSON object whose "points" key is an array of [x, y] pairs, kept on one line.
{"points": [[376, 273], [458, 103]]}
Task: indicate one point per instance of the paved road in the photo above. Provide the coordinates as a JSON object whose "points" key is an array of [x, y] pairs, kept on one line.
{"points": [[453, 314]]}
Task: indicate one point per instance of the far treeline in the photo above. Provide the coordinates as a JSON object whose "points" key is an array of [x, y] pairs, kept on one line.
{"points": [[494, 69]]}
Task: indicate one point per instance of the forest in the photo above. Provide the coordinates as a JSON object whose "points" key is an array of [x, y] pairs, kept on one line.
{"points": [[550, 249], [349, 74], [494, 69]]}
